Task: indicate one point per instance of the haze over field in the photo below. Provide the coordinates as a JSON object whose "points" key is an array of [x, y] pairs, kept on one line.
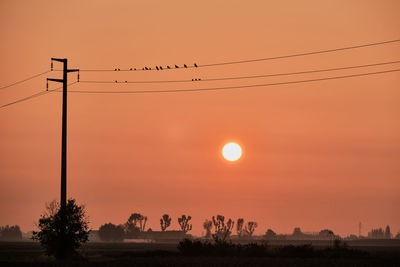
{"points": [[315, 155]]}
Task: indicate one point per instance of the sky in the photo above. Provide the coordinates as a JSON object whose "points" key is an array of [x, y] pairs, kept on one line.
{"points": [[315, 155]]}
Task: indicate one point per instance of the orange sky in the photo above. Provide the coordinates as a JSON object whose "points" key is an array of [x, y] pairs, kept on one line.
{"points": [[316, 155]]}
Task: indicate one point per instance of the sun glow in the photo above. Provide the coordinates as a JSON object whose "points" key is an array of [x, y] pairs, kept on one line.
{"points": [[231, 151]]}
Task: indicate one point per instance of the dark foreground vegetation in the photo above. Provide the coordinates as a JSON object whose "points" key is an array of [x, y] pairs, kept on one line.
{"points": [[195, 253]]}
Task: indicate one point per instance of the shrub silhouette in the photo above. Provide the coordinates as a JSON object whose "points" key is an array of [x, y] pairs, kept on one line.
{"points": [[57, 242], [111, 232]]}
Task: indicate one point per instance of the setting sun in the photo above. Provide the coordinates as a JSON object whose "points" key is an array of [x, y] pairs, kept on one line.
{"points": [[232, 151]]}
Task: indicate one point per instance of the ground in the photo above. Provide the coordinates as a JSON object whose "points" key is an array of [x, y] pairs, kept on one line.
{"points": [[381, 253]]}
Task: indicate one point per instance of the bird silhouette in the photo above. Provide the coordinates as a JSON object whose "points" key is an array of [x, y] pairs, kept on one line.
{"points": [[160, 68], [192, 80], [185, 65], [168, 67], [119, 69], [126, 81], [157, 67], [195, 65], [116, 81], [115, 69], [176, 66], [199, 79], [135, 69], [146, 68], [130, 69]]}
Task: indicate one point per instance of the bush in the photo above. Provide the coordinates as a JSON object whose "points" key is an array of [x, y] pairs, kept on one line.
{"points": [[10, 233], [57, 242], [111, 232]]}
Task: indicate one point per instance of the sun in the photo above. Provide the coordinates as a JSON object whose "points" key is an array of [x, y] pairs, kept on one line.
{"points": [[231, 151]]}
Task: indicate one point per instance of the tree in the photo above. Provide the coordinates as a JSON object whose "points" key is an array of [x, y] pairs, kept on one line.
{"points": [[61, 233], [239, 226], [222, 230], [165, 222], [297, 232], [10, 233], [184, 223], [135, 225], [250, 228], [207, 225], [270, 234], [388, 235], [111, 232], [326, 233]]}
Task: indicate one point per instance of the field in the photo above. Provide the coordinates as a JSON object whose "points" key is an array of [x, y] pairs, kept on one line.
{"points": [[379, 253]]}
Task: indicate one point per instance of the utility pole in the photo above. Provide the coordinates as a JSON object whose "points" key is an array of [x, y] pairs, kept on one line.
{"points": [[64, 81]]}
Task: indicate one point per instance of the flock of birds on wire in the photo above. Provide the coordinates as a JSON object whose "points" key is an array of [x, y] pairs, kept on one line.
{"points": [[161, 68]]}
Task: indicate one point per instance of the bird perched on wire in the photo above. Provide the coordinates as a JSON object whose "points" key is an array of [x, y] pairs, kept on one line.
{"points": [[160, 67], [116, 81], [168, 67], [195, 65], [146, 68], [157, 67], [130, 69], [176, 66], [185, 65]]}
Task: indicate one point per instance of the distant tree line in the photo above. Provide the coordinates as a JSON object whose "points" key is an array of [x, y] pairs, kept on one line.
{"points": [[10, 233], [135, 227]]}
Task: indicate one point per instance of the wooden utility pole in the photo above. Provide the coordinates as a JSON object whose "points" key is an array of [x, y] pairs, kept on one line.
{"points": [[64, 81]]}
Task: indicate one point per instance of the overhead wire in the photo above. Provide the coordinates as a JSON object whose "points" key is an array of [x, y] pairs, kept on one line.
{"points": [[231, 87], [33, 96], [250, 60], [242, 77], [24, 80]]}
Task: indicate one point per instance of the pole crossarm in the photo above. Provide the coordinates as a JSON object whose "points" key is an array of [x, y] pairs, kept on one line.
{"points": [[55, 80], [72, 70], [59, 59]]}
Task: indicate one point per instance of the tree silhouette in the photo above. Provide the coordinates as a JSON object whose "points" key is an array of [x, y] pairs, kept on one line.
{"points": [[165, 222], [10, 233], [250, 227], [239, 226], [270, 234], [111, 232], [207, 225], [135, 225], [61, 237], [222, 230], [184, 223]]}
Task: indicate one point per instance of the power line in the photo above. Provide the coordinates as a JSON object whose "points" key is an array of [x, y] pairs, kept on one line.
{"points": [[231, 87], [198, 89], [249, 60], [24, 80], [244, 77], [33, 96]]}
